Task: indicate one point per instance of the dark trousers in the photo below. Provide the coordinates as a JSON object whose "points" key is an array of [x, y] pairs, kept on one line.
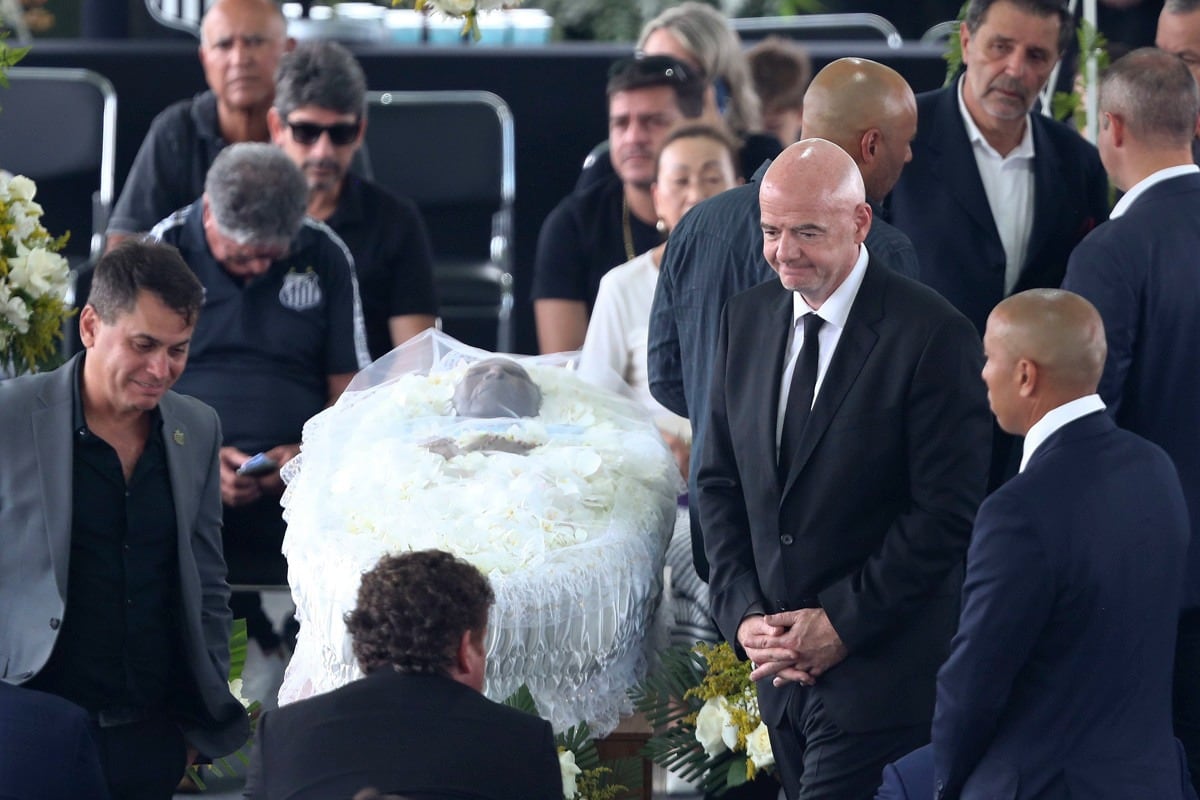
{"points": [[1187, 690], [142, 760], [817, 760]]}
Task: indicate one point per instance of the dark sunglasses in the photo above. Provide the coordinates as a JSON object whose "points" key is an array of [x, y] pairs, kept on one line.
{"points": [[340, 135], [651, 69]]}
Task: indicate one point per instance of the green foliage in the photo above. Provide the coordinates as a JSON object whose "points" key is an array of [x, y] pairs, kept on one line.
{"points": [[9, 56], [953, 55], [596, 782], [1070, 105], [671, 698], [239, 643]]}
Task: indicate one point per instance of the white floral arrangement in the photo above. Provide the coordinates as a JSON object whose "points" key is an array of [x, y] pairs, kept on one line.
{"points": [[33, 281], [705, 706], [567, 513], [501, 511]]}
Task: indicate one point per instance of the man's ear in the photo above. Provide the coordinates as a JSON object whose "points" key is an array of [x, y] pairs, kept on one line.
{"points": [[89, 323], [275, 125], [869, 145], [1027, 377]]}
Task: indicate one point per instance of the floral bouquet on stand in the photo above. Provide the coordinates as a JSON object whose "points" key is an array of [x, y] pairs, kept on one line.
{"points": [[468, 10], [705, 708], [33, 281], [582, 774]]}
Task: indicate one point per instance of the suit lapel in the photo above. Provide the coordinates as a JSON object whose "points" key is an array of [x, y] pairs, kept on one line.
{"points": [[1049, 197], [781, 311], [955, 168], [176, 441], [853, 348], [51, 422]]}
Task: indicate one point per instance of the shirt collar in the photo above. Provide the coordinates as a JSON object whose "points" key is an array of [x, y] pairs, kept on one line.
{"points": [[976, 137], [1145, 183], [1056, 418], [836, 308]]}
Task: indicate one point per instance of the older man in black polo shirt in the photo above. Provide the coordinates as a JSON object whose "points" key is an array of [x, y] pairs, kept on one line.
{"points": [[112, 585], [281, 337], [319, 119]]}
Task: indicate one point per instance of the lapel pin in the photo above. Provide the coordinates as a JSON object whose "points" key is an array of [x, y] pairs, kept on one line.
{"points": [[178, 436]]}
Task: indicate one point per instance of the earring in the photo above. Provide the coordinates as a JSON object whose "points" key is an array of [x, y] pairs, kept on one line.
{"points": [[661, 227]]}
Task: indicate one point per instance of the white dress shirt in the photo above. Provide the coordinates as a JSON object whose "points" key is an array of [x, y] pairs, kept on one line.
{"points": [[834, 312], [1145, 183], [1008, 184], [1056, 418]]}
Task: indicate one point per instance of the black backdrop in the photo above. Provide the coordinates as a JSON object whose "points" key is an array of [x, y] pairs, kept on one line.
{"points": [[556, 94]]}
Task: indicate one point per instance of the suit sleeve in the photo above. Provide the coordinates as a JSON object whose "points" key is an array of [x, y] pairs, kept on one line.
{"points": [[215, 616], [549, 774], [1098, 273], [1007, 599], [733, 578], [664, 359], [256, 788], [948, 441]]}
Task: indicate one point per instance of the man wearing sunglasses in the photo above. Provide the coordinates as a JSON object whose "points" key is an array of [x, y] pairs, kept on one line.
{"points": [[318, 119], [605, 224], [241, 42]]}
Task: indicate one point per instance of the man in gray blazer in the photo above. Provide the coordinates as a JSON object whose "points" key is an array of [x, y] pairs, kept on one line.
{"points": [[112, 581]]}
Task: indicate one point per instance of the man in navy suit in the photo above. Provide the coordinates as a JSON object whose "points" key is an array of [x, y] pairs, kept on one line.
{"points": [[1058, 683], [46, 749], [846, 454], [995, 196], [1139, 271]]}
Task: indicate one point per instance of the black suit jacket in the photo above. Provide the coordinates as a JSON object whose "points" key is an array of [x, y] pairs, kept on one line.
{"points": [[874, 516], [424, 735], [940, 203]]}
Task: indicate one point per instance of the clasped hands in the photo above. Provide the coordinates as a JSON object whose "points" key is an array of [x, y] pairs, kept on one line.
{"points": [[791, 646], [239, 490]]}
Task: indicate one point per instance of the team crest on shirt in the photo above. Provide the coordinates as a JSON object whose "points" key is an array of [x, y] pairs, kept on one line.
{"points": [[300, 290]]}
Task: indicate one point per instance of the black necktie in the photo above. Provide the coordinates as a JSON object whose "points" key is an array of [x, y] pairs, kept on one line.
{"points": [[800, 395]]}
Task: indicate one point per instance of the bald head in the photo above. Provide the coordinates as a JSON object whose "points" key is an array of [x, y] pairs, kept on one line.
{"points": [[1044, 347], [241, 42], [869, 111], [815, 166], [497, 387], [814, 217]]}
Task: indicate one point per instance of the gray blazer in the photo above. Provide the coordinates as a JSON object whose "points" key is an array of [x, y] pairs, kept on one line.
{"points": [[35, 532]]}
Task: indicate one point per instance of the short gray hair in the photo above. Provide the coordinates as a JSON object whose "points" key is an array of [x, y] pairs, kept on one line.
{"points": [[1156, 96], [323, 74], [255, 194]]}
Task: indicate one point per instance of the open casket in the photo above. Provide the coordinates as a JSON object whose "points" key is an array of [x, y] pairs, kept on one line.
{"points": [[570, 527]]}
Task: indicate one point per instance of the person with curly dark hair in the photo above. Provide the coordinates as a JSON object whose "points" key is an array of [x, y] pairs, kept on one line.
{"points": [[404, 622], [419, 633]]}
